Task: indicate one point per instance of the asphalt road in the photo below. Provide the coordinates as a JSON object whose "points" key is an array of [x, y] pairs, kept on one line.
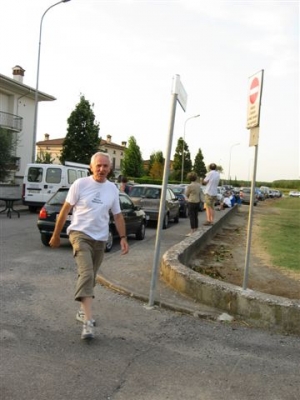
{"points": [[138, 354]]}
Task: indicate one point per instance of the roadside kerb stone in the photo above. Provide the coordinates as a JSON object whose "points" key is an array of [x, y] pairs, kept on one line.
{"points": [[256, 308]]}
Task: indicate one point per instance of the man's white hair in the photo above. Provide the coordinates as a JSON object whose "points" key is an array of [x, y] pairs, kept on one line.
{"points": [[101, 153]]}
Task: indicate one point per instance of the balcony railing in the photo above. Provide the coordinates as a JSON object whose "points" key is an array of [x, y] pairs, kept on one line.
{"points": [[11, 121]]}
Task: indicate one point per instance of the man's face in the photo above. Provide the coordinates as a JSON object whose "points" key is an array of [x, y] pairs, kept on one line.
{"points": [[100, 168]]}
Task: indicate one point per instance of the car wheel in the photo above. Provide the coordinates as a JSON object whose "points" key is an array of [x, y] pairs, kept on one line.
{"points": [[166, 221], [110, 241], [140, 234], [45, 239], [32, 209]]}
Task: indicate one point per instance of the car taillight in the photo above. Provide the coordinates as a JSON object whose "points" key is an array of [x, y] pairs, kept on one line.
{"points": [[43, 213]]}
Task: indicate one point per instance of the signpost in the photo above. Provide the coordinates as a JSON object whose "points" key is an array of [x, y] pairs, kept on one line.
{"points": [[253, 109], [178, 94], [253, 121]]}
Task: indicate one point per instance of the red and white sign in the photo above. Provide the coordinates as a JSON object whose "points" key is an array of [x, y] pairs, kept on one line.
{"points": [[254, 99], [254, 90]]}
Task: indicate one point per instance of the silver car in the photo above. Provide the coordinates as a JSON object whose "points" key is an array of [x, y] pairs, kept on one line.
{"points": [[245, 196], [147, 196]]}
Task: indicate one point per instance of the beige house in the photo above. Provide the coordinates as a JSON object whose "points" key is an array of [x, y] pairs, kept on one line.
{"points": [[17, 104], [54, 147]]}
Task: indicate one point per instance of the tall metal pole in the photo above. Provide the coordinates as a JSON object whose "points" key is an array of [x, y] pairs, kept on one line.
{"points": [[250, 221], [161, 213], [229, 178], [182, 160], [37, 82]]}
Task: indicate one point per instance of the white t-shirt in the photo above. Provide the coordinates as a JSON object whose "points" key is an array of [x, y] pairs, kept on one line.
{"points": [[227, 201], [212, 179], [91, 203]]}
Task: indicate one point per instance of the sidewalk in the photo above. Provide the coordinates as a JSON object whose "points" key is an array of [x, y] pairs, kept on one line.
{"points": [[132, 274]]}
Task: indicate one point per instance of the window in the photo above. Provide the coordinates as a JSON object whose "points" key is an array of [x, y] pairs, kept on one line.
{"points": [[125, 203], [72, 175], [35, 174], [53, 175]]}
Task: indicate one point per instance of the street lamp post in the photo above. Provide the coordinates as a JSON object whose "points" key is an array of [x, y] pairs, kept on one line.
{"points": [[182, 161], [229, 178], [37, 82]]}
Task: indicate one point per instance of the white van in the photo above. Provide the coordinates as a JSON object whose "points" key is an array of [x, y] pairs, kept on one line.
{"points": [[41, 181]]}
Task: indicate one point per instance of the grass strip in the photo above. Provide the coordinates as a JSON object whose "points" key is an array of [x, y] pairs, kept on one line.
{"points": [[280, 233]]}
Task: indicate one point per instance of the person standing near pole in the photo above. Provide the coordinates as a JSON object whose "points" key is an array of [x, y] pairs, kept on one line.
{"points": [[211, 181], [192, 192], [91, 198]]}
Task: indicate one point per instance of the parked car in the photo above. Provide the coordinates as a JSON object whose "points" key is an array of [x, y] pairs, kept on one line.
{"points": [[245, 196], [135, 218], [275, 193], [183, 200], [259, 194], [147, 196], [266, 191], [179, 191], [294, 193]]}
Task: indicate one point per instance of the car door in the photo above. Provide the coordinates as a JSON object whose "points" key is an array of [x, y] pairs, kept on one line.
{"points": [[132, 220], [172, 203]]}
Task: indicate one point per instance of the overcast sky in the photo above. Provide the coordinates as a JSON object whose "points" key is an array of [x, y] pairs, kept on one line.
{"points": [[122, 56]]}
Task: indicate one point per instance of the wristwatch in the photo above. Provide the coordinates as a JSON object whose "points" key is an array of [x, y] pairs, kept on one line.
{"points": [[123, 237]]}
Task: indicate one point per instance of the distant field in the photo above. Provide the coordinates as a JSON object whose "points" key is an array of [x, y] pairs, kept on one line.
{"points": [[280, 233]]}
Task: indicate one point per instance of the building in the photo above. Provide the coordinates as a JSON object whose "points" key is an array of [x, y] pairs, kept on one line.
{"points": [[17, 105], [54, 146]]}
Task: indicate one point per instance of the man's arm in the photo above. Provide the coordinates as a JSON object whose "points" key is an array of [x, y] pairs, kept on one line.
{"points": [[55, 239], [121, 228]]}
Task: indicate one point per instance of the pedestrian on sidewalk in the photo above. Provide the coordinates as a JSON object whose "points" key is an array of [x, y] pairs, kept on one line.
{"points": [[192, 192], [91, 199], [123, 185], [211, 181]]}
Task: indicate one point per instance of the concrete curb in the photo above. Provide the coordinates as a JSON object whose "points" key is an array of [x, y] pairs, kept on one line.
{"points": [[258, 309]]}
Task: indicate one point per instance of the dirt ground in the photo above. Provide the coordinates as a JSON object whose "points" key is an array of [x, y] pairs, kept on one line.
{"points": [[224, 257]]}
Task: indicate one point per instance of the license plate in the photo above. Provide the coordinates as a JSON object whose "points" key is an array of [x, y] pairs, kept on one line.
{"points": [[69, 217], [33, 190]]}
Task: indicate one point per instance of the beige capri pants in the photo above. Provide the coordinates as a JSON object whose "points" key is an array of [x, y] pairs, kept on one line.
{"points": [[88, 254]]}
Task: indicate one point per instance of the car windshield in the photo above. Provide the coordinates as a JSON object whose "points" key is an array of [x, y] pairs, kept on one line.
{"points": [[178, 190], [59, 198], [146, 192]]}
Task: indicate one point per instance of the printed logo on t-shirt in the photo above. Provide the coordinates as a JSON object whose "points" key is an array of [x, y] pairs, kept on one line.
{"points": [[97, 199]]}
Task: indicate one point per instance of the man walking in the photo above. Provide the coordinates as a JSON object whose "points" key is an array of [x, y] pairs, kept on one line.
{"points": [[91, 199], [211, 181]]}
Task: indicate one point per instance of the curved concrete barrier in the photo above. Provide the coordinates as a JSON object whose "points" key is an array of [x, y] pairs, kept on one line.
{"points": [[258, 309]]}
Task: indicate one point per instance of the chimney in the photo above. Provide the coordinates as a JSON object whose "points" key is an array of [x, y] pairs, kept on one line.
{"points": [[124, 144], [18, 73], [108, 138], [46, 136]]}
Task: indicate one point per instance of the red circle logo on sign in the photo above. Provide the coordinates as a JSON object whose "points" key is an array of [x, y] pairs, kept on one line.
{"points": [[254, 89]]}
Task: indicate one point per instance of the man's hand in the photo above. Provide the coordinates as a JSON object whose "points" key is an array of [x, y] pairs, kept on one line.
{"points": [[54, 241], [124, 246]]}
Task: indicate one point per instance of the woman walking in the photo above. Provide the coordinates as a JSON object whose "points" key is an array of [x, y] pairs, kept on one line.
{"points": [[192, 192]]}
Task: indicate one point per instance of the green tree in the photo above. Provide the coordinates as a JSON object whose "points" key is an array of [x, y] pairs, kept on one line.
{"points": [[157, 162], [132, 163], [82, 139], [8, 141], [44, 158], [156, 165], [199, 165], [177, 162]]}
